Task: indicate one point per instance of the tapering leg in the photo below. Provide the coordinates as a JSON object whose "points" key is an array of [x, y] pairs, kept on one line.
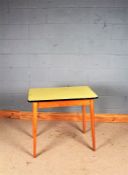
{"points": [[84, 118], [92, 119], [34, 124]]}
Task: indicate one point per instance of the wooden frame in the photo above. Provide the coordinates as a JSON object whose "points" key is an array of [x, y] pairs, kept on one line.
{"points": [[61, 103]]}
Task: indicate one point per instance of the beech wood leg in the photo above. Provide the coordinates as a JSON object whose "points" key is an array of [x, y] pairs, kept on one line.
{"points": [[92, 119], [34, 124], [84, 118]]}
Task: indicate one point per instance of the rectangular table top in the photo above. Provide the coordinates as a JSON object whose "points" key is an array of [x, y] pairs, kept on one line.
{"points": [[61, 93]]}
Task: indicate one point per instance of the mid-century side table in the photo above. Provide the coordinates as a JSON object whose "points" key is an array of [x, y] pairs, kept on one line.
{"points": [[62, 97]]}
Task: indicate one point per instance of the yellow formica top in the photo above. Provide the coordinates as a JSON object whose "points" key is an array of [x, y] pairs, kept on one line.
{"points": [[61, 93]]}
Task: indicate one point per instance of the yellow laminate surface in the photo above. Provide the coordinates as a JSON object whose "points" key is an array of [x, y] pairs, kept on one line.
{"points": [[61, 93]]}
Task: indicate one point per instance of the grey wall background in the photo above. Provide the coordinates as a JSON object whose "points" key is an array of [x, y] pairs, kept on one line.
{"points": [[47, 43]]}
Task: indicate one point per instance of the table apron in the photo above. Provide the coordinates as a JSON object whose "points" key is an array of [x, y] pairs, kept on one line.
{"points": [[63, 103]]}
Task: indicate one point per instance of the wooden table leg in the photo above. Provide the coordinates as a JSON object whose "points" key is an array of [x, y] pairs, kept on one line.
{"points": [[34, 124], [84, 118], [92, 118]]}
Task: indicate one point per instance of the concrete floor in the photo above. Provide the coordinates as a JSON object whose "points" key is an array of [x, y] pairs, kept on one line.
{"points": [[63, 149]]}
